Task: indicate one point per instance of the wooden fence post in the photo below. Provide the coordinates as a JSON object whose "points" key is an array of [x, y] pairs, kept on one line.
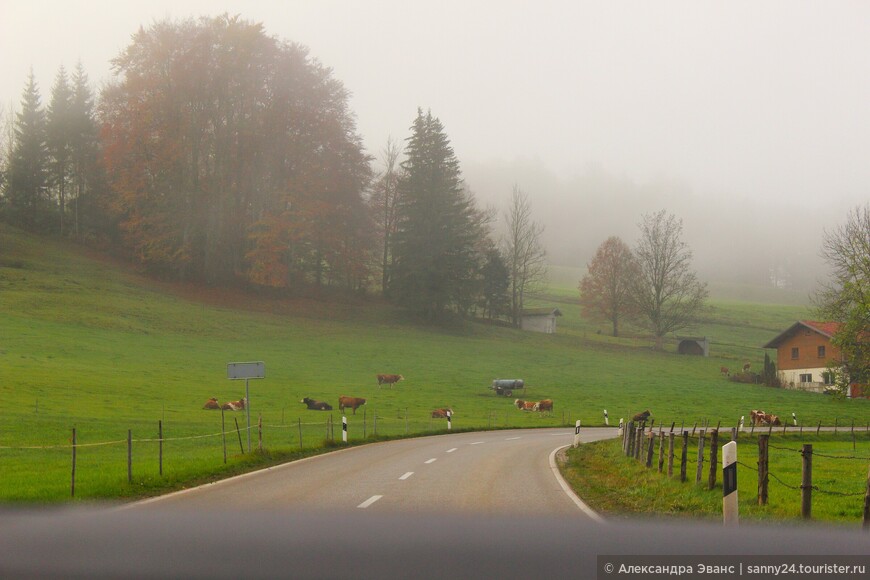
{"points": [[300, 433], [160, 437], [671, 454], [684, 457], [224, 435], [807, 482], [72, 486], [819, 428], [129, 456], [763, 440], [866, 524], [639, 442], [661, 451], [702, 440], [629, 448], [650, 448], [239, 433], [714, 458]]}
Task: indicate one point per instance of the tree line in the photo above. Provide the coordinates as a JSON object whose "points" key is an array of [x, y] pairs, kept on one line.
{"points": [[218, 154]]}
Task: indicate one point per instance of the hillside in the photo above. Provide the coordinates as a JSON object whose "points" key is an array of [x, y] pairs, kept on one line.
{"points": [[89, 343]]}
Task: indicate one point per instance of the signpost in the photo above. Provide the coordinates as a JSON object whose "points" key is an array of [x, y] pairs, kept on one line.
{"points": [[247, 371]]}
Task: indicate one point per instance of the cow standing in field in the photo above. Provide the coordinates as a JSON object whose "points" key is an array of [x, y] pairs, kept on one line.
{"points": [[212, 404], [352, 402], [316, 405], [544, 406], [725, 371], [524, 405], [389, 379], [640, 417], [442, 413]]}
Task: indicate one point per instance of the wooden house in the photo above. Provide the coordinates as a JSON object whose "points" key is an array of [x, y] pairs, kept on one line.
{"points": [[803, 354]]}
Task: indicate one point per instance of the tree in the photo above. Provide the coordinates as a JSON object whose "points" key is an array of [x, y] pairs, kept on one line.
{"points": [[525, 254], [605, 290], [27, 181], [384, 202], [846, 297], [58, 134], [435, 245], [666, 292], [87, 179], [495, 299]]}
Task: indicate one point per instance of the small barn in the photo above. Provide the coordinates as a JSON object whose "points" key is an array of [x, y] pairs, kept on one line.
{"points": [[540, 320], [694, 345]]}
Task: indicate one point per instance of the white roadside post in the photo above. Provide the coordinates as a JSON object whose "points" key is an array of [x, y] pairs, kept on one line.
{"points": [[741, 422], [606, 420], [247, 371], [577, 434], [729, 484], [794, 418], [621, 427], [449, 421], [344, 429]]}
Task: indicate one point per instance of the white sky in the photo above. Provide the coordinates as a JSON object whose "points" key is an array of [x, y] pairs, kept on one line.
{"points": [[746, 99]]}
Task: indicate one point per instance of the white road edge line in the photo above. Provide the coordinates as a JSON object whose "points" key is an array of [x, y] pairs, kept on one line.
{"points": [[570, 492], [369, 501], [451, 450], [407, 475], [433, 460]]}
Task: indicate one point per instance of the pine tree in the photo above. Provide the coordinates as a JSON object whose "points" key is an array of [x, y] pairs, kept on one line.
{"points": [[86, 173], [26, 185], [58, 130], [435, 254]]}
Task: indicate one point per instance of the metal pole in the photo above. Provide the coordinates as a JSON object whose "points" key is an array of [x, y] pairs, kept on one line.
{"points": [[248, 412]]}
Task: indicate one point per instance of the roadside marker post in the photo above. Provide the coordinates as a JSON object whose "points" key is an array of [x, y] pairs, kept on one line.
{"points": [[449, 420], [794, 418], [343, 429], [606, 420], [247, 371], [577, 434], [729, 484], [621, 427]]}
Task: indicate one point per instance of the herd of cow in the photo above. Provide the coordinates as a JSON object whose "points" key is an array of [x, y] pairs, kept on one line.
{"points": [[539, 406], [213, 405]]}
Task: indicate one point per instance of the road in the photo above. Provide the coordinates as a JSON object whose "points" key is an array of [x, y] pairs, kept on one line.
{"points": [[496, 472]]}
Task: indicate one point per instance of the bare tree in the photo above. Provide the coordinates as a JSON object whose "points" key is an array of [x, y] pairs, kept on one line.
{"points": [[384, 201], [524, 252], [845, 298], [666, 292], [605, 290]]}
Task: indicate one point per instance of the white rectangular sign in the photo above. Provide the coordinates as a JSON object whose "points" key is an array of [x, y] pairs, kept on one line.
{"points": [[246, 370]]}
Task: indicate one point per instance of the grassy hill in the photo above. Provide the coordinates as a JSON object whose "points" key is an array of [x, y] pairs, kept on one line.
{"points": [[87, 342]]}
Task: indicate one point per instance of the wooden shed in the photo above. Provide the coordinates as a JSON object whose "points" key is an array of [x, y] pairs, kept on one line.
{"points": [[540, 319]]}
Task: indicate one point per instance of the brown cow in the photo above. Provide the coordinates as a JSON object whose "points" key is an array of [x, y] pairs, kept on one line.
{"points": [[352, 402], [316, 405], [640, 417], [212, 404], [389, 379], [545, 405], [524, 405], [747, 366], [235, 405], [725, 371], [442, 413]]}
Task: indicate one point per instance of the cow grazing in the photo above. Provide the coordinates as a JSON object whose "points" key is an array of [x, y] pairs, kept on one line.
{"points": [[442, 413], [316, 405], [641, 417], [544, 406], [524, 405], [389, 379], [212, 404], [235, 405], [760, 418], [747, 366], [725, 371], [352, 402]]}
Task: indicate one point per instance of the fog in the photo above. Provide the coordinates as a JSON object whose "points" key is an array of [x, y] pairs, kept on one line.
{"points": [[748, 120]]}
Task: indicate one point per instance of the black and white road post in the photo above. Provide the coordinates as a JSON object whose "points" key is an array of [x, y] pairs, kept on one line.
{"points": [[449, 421], [577, 434], [742, 417], [606, 420], [729, 483], [794, 418], [621, 427], [344, 429]]}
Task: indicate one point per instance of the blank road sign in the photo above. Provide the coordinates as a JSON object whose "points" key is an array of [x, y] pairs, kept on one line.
{"points": [[246, 370]]}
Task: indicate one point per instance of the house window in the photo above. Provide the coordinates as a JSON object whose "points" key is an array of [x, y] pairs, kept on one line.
{"points": [[794, 353], [821, 352], [807, 378], [828, 378]]}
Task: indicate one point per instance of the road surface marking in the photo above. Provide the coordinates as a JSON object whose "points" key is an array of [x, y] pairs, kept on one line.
{"points": [[477, 443], [451, 450], [407, 475], [511, 438], [369, 501], [433, 460]]}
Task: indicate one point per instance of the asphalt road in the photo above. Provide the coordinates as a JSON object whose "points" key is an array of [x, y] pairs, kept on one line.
{"points": [[496, 472]]}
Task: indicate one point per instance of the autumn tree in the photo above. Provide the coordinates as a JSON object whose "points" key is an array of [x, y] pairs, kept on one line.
{"points": [[605, 290], [233, 154], [524, 253], [845, 298], [666, 291], [436, 243], [26, 187]]}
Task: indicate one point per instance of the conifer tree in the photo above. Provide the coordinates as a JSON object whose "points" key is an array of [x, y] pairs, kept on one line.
{"points": [[58, 130]]}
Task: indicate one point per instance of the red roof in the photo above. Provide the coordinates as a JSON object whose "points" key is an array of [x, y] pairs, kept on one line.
{"points": [[827, 329]]}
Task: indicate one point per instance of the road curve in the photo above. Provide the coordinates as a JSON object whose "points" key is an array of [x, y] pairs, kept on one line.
{"points": [[494, 472]]}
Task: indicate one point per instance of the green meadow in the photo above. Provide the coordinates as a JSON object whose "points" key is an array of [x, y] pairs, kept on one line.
{"points": [[90, 344]]}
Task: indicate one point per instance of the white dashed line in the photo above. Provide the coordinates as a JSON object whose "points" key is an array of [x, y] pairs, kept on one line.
{"points": [[407, 475], [369, 501], [433, 460], [451, 450], [477, 443], [511, 438]]}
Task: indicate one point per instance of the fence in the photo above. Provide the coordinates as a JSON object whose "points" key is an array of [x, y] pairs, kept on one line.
{"points": [[639, 442]]}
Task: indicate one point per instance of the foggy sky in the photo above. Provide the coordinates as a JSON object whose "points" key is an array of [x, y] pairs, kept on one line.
{"points": [[729, 109]]}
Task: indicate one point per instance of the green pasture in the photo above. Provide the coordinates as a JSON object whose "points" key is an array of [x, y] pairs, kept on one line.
{"points": [[90, 344], [623, 487]]}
